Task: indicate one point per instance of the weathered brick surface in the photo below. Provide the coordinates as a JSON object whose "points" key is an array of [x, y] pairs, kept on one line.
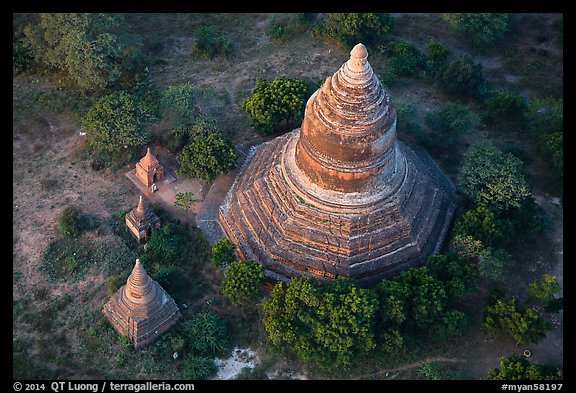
{"points": [[340, 196], [141, 310]]}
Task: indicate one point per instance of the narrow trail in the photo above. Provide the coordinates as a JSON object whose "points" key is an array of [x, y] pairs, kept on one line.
{"points": [[409, 366]]}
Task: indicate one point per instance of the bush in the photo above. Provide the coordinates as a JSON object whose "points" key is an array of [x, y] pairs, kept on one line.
{"points": [[329, 324], [199, 367], [436, 56], [208, 42], [269, 103], [482, 30], [285, 26], [67, 259], [545, 115], [116, 122], [242, 282], [452, 121], [207, 156], [175, 244], [348, 29], [516, 368], [480, 223], [505, 107], [22, 57], [206, 334], [223, 252], [94, 50], [544, 290], [179, 103], [466, 246], [523, 324], [463, 78], [69, 223], [494, 263], [551, 149], [402, 57], [492, 178]]}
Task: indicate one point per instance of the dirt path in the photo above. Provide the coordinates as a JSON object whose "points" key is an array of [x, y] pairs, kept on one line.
{"points": [[408, 367]]}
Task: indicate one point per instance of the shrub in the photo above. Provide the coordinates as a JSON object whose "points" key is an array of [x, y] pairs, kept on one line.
{"points": [[492, 178], [116, 122], [480, 223], [436, 56], [270, 103], [223, 252], [463, 78], [242, 282], [403, 57], [348, 29], [466, 246], [206, 334], [505, 107], [516, 367], [543, 291], [207, 156], [285, 26], [208, 42], [551, 148], [93, 49], [481, 30], [523, 324], [199, 367], [22, 57], [494, 263], [545, 115], [452, 121], [179, 103], [69, 223]]}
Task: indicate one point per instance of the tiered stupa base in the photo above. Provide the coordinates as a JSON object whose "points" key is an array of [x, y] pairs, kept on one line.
{"points": [[293, 227]]}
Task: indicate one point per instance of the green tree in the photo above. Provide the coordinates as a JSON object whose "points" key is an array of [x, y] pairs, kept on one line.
{"points": [[242, 282], [270, 103], [403, 57], [330, 324], [436, 56], [348, 29], [480, 223], [492, 178], [93, 50], [458, 275], [504, 108], [451, 122], [223, 252], [463, 78], [543, 291], [115, 122], [545, 115], [206, 334], [69, 223], [199, 367], [174, 244], [22, 57], [178, 102], [209, 41], [516, 367], [494, 263], [523, 324], [207, 156], [466, 246], [551, 148], [482, 30], [184, 200]]}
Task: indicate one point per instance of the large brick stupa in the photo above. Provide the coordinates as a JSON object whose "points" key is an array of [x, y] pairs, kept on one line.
{"points": [[340, 196]]}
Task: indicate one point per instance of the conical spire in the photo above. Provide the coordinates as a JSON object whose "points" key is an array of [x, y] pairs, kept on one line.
{"points": [[348, 132], [148, 159], [140, 210], [139, 287]]}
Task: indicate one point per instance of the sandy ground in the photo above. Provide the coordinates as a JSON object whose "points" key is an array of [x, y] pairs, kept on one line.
{"points": [[231, 367]]}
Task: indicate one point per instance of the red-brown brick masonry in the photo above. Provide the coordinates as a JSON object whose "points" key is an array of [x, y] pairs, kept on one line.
{"points": [[340, 196], [141, 310]]}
